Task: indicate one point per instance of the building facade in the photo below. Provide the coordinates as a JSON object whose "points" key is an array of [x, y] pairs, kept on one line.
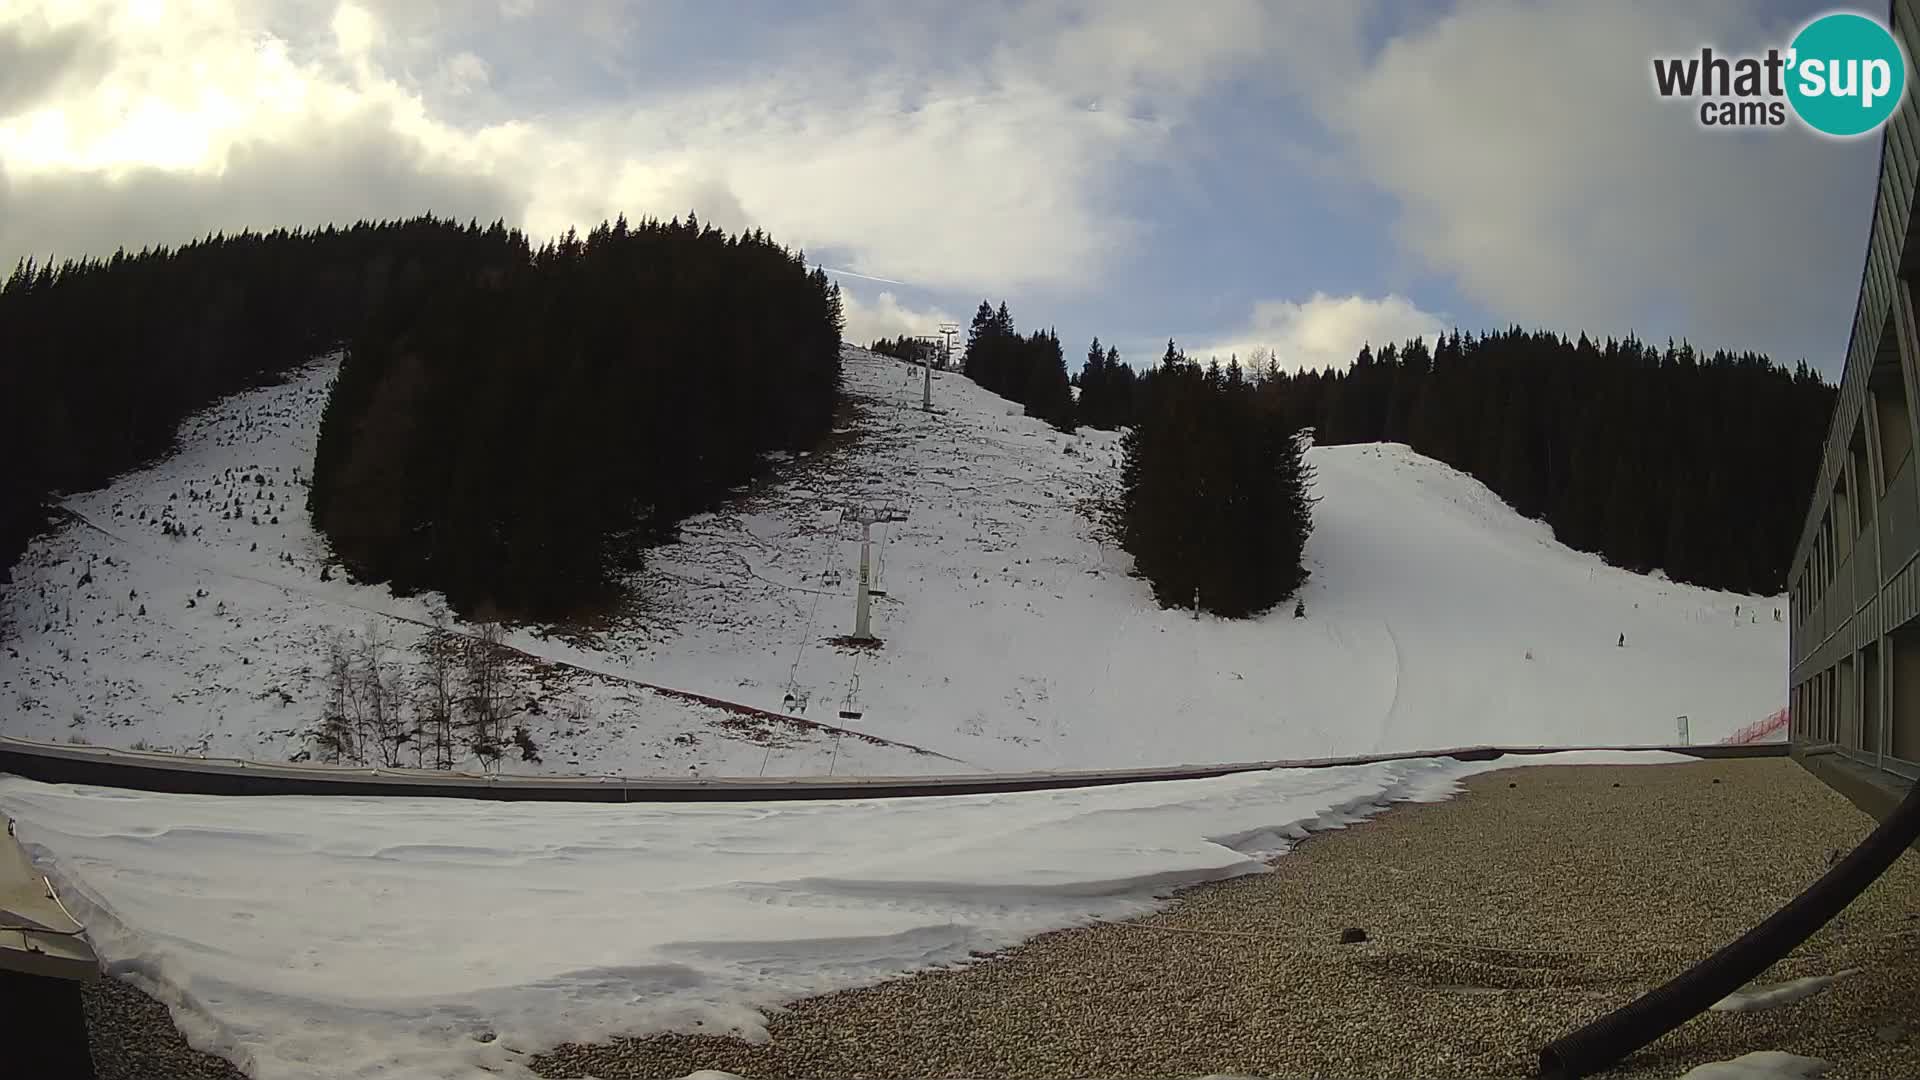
{"points": [[1854, 588]]}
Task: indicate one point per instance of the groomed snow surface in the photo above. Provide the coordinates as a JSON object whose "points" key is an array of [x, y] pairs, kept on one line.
{"points": [[309, 938], [1015, 637]]}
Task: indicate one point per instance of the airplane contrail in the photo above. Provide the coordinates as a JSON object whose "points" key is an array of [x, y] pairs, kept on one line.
{"points": [[869, 277]]}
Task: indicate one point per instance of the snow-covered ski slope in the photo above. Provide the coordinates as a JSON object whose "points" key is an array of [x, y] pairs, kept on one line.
{"points": [[214, 642], [1014, 636]]}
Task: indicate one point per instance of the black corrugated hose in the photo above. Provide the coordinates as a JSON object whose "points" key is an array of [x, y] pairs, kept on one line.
{"points": [[1632, 1026]]}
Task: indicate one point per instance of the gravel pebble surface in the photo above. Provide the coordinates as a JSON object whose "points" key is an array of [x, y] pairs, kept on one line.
{"points": [[1496, 922], [133, 1038]]}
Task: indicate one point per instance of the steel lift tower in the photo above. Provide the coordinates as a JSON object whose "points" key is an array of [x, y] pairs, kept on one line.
{"points": [[868, 518]]}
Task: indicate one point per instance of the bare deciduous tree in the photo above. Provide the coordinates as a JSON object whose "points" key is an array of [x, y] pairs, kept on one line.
{"points": [[462, 682], [380, 696], [435, 696], [486, 699], [336, 737]]}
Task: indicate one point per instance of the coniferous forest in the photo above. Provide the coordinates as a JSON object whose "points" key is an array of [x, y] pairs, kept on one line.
{"points": [[515, 436], [1698, 465], [501, 413], [911, 349], [1030, 370], [1656, 459], [1215, 505], [104, 357]]}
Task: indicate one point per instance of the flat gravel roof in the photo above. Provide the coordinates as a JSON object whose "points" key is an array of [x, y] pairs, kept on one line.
{"points": [[1497, 921]]}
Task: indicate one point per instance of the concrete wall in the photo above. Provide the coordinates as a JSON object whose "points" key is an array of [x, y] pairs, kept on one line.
{"points": [[99, 766]]}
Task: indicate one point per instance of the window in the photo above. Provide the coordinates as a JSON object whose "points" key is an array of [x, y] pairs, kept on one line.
{"points": [[1887, 386]]}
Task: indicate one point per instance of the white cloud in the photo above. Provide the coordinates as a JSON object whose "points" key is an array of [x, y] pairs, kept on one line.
{"points": [[995, 172], [1322, 331], [946, 195], [1156, 56], [1533, 163], [197, 119], [186, 93], [464, 73], [984, 149], [356, 30], [342, 172], [885, 316]]}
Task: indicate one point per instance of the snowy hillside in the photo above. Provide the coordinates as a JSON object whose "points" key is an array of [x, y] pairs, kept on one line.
{"points": [[214, 641], [1014, 636]]}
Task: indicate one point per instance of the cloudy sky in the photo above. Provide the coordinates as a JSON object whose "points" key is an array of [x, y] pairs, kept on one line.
{"points": [[1231, 173]]}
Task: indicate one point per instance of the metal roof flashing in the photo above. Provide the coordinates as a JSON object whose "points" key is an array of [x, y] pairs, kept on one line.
{"points": [[38, 935]]}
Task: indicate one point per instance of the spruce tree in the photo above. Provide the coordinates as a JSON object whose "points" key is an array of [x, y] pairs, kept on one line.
{"points": [[1048, 395], [1095, 404], [1215, 503]]}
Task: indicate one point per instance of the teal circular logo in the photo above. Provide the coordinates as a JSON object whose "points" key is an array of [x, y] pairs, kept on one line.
{"points": [[1845, 74]]}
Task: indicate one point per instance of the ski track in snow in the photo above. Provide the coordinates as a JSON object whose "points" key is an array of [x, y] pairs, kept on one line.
{"points": [[1014, 636], [307, 937]]}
